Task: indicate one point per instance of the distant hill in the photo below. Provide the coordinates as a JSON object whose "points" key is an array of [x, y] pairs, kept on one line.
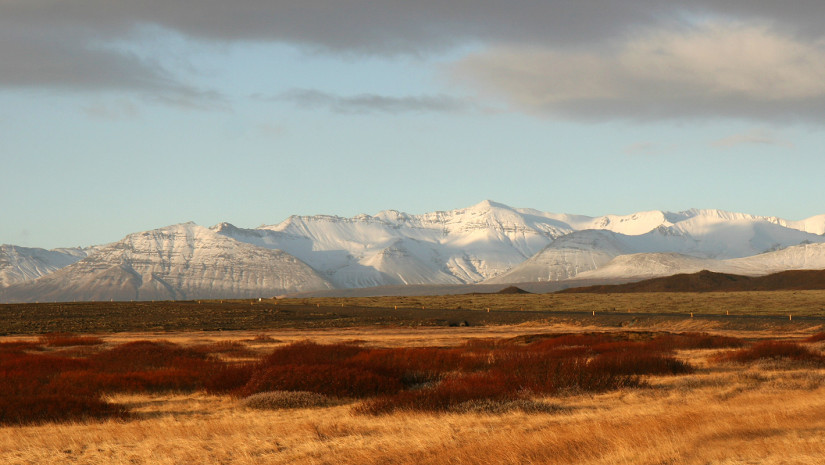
{"points": [[708, 281], [512, 290]]}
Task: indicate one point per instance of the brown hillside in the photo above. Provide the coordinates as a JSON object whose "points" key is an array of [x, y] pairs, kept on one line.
{"points": [[512, 290], [708, 281]]}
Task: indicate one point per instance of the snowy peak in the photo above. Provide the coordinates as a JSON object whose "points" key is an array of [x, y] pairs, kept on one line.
{"points": [[632, 225], [458, 246]]}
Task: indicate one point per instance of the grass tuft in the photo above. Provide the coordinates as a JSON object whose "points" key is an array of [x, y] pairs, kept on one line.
{"points": [[275, 400]]}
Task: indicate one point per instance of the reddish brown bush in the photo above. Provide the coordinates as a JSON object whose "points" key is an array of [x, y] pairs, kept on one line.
{"points": [[447, 394], [816, 338], [229, 377], [433, 379], [414, 366], [637, 362], [310, 353], [573, 340], [331, 380], [38, 366], [147, 355], [28, 395], [91, 382], [684, 341], [19, 346], [773, 350], [34, 408]]}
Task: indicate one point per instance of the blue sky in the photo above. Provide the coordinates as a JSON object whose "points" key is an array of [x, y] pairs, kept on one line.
{"points": [[117, 117]]}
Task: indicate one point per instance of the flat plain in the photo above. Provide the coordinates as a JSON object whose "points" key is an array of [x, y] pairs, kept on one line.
{"points": [[769, 409]]}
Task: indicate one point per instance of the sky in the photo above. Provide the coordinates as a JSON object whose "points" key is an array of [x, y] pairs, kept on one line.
{"points": [[119, 116]]}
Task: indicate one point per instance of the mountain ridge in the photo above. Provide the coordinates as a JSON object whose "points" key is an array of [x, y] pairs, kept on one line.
{"points": [[487, 243]]}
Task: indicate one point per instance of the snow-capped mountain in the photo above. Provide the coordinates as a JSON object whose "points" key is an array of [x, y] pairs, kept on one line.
{"points": [[390, 248], [488, 242], [178, 262], [19, 264]]}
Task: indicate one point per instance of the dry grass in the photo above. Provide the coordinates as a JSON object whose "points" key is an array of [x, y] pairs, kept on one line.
{"points": [[275, 400], [764, 412]]}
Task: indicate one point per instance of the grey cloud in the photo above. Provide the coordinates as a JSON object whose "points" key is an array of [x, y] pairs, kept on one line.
{"points": [[49, 43], [398, 25], [371, 103], [69, 59], [391, 26], [712, 70]]}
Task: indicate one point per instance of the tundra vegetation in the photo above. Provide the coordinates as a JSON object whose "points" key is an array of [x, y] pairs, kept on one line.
{"points": [[526, 394]]}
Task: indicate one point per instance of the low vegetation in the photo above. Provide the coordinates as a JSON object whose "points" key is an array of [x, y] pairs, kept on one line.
{"points": [[600, 397], [42, 384], [774, 350]]}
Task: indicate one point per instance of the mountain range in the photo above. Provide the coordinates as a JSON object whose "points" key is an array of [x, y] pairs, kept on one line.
{"points": [[488, 243]]}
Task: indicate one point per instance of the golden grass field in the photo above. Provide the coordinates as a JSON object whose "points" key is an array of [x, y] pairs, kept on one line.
{"points": [[761, 413]]}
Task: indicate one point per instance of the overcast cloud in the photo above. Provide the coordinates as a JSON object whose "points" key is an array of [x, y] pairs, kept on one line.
{"points": [[635, 59]]}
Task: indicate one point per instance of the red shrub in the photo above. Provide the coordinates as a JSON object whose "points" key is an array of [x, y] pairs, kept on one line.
{"points": [[447, 394], [29, 396], [310, 353], [572, 340], [147, 355], [415, 365], [684, 341], [19, 345], [637, 362], [38, 365], [34, 408], [228, 377], [91, 383], [773, 350], [331, 380], [816, 338], [621, 346]]}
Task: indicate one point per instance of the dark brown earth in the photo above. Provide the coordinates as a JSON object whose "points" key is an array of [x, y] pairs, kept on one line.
{"points": [[708, 281], [170, 316]]}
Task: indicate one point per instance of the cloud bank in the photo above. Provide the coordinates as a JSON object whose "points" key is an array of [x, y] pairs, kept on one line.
{"points": [[724, 70], [636, 59]]}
